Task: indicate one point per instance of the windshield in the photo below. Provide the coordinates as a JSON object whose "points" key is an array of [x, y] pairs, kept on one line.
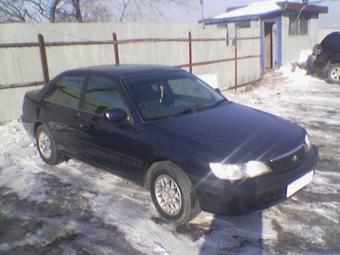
{"points": [[171, 95]]}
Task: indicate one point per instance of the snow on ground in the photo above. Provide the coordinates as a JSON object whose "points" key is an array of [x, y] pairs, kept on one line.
{"points": [[310, 220], [75, 208]]}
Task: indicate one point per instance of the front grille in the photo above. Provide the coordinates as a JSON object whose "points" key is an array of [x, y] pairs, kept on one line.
{"points": [[289, 160]]}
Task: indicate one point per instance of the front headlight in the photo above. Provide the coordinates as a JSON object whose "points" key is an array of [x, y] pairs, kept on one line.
{"points": [[235, 172], [307, 142]]}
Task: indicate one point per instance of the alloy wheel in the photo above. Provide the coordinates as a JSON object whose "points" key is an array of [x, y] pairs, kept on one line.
{"points": [[168, 195], [335, 73], [45, 145]]}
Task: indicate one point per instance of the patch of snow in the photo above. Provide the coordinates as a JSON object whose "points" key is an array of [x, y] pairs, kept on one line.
{"points": [[303, 56], [257, 8], [79, 191]]}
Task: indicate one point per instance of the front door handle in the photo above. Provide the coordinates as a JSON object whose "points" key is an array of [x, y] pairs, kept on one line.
{"points": [[85, 126]]}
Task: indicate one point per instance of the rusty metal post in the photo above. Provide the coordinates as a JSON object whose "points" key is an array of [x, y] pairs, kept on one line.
{"points": [[115, 48], [236, 56], [43, 58], [190, 51]]}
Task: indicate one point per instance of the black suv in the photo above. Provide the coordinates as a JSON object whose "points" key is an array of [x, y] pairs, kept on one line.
{"points": [[326, 58]]}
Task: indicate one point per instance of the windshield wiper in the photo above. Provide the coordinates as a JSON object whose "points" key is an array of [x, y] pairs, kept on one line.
{"points": [[218, 102], [196, 109], [211, 105], [186, 111]]}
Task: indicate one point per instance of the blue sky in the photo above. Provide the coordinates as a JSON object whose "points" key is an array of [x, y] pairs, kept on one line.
{"points": [[214, 7]]}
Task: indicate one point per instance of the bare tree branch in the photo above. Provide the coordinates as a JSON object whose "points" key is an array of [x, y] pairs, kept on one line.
{"points": [[87, 10], [53, 10], [132, 10], [13, 11], [77, 12], [95, 11]]}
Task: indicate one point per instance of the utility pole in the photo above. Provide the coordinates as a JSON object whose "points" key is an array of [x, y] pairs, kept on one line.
{"points": [[202, 12]]}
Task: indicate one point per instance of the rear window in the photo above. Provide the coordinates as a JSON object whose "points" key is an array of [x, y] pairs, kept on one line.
{"points": [[67, 91], [331, 41]]}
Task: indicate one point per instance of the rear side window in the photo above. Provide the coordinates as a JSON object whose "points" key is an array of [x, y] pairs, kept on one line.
{"points": [[68, 91], [102, 94]]}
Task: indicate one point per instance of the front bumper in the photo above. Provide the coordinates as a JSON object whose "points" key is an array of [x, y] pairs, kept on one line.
{"points": [[223, 197]]}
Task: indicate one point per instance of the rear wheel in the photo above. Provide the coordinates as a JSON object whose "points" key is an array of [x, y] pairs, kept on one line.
{"points": [[47, 147], [333, 73], [172, 193]]}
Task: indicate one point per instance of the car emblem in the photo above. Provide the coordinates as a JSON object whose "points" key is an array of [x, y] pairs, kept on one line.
{"points": [[295, 158]]}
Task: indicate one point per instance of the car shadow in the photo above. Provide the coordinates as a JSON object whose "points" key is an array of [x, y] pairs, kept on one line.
{"points": [[218, 234], [235, 235]]}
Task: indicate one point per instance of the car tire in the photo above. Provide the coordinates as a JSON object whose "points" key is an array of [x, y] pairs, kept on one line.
{"points": [[172, 193], [333, 73], [47, 147]]}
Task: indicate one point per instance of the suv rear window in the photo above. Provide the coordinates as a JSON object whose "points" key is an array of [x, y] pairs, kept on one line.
{"points": [[331, 41]]}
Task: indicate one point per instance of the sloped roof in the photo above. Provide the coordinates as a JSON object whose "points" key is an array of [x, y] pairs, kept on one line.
{"points": [[258, 9]]}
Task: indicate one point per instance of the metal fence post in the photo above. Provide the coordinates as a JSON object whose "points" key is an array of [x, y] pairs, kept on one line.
{"points": [[115, 48], [43, 58], [236, 56], [190, 51]]}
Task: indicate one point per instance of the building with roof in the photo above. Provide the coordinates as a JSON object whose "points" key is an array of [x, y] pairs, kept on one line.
{"points": [[285, 27]]}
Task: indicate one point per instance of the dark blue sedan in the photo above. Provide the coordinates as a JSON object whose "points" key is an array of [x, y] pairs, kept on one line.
{"points": [[169, 131]]}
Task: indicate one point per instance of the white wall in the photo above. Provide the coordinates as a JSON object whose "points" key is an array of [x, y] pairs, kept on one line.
{"points": [[293, 44], [19, 65]]}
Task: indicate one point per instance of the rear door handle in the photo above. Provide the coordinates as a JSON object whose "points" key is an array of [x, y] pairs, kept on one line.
{"points": [[76, 116]]}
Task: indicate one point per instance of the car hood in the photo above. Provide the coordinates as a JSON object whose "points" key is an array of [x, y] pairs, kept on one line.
{"points": [[232, 133]]}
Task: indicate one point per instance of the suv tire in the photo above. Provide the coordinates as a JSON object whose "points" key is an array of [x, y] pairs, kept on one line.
{"points": [[333, 73]]}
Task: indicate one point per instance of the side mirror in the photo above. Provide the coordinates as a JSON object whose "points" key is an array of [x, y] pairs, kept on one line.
{"points": [[218, 91], [115, 115]]}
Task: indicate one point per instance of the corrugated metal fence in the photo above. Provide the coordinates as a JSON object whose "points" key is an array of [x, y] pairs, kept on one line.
{"points": [[44, 46]]}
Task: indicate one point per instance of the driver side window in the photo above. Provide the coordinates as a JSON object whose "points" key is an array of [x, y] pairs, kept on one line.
{"points": [[102, 94]]}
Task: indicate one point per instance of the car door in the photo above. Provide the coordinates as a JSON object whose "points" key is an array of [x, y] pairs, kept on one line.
{"points": [[104, 143], [60, 112]]}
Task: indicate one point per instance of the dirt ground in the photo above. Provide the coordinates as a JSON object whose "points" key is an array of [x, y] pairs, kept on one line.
{"points": [[75, 208]]}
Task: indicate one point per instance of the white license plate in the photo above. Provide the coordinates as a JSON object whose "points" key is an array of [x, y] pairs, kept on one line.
{"points": [[299, 183]]}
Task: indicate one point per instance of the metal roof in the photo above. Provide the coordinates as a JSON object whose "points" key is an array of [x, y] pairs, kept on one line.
{"points": [[264, 8]]}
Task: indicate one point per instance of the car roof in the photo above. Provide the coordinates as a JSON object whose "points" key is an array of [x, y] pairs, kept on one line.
{"points": [[123, 71]]}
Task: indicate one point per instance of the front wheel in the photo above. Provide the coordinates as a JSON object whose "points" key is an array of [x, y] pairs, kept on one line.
{"points": [[172, 193], [333, 73], [47, 147]]}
